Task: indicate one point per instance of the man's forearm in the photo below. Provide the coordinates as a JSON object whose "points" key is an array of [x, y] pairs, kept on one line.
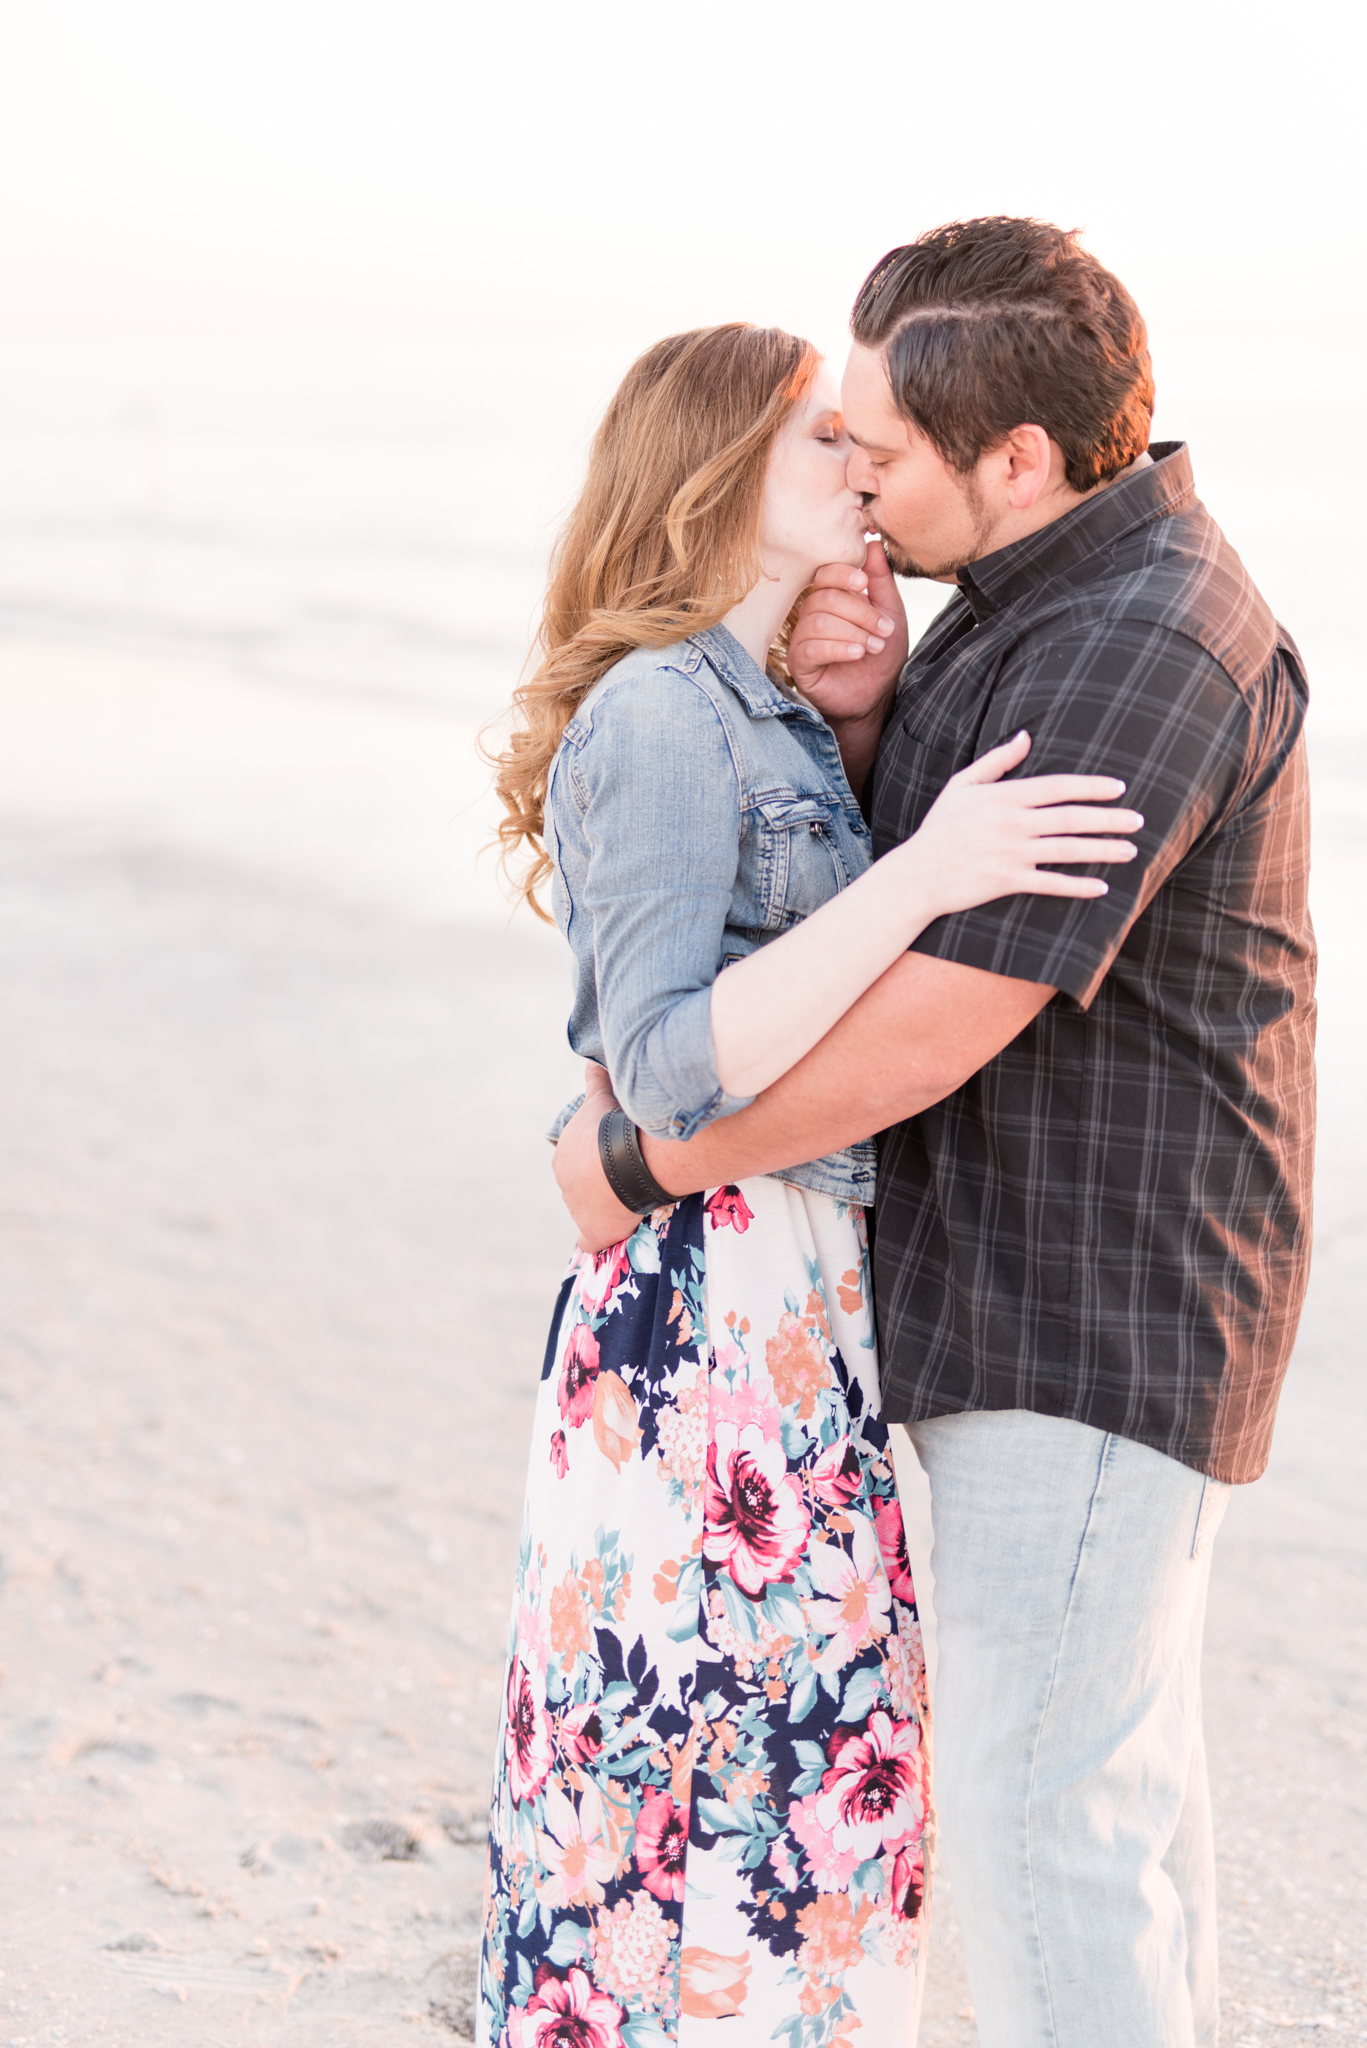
{"points": [[912, 1039]]}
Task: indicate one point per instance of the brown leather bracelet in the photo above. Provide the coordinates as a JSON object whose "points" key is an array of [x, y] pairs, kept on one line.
{"points": [[624, 1166]]}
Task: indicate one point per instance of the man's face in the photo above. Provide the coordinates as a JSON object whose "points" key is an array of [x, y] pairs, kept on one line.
{"points": [[933, 521]]}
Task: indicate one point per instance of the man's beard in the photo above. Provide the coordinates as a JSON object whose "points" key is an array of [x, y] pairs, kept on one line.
{"points": [[903, 564]]}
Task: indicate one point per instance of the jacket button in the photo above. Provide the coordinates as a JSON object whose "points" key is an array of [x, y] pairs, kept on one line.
{"points": [[816, 828]]}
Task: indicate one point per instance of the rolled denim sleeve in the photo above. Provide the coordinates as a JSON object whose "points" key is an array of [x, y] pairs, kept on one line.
{"points": [[661, 808]]}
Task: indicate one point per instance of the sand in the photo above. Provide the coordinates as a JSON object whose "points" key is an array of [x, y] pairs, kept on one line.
{"points": [[279, 1247]]}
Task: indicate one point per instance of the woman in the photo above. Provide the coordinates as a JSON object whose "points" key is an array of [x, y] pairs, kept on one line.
{"points": [[711, 1798]]}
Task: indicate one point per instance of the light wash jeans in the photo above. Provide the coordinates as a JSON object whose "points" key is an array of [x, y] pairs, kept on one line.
{"points": [[1071, 1569]]}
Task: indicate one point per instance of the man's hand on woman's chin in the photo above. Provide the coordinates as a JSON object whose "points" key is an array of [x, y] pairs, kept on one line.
{"points": [[850, 640], [599, 1217], [846, 654]]}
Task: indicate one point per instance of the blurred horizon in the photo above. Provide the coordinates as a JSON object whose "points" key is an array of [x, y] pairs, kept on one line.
{"points": [[307, 314]]}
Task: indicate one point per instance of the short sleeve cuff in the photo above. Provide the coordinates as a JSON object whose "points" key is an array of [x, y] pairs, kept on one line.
{"points": [[1074, 957]]}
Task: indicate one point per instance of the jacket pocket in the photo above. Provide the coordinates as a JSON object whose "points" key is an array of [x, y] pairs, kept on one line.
{"points": [[799, 859]]}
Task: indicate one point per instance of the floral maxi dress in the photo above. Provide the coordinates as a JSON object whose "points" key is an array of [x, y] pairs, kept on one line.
{"points": [[711, 1799]]}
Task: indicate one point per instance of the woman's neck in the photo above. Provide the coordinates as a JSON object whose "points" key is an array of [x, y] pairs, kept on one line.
{"points": [[756, 620]]}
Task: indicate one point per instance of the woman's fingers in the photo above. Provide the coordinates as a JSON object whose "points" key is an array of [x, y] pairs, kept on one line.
{"points": [[1082, 849], [1065, 818], [997, 761], [1045, 884], [1062, 789]]}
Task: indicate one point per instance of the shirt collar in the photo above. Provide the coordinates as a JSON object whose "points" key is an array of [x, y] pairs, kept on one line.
{"points": [[1154, 492], [760, 694]]}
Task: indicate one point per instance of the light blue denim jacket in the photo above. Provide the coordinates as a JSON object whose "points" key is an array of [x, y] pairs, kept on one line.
{"points": [[694, 811]]}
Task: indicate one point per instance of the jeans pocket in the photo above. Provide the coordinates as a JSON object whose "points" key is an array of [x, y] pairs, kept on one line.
{"points": [[1214, 1500]]}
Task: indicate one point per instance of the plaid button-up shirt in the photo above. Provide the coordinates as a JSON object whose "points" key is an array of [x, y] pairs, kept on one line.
{"points": [[1111, 1221]]}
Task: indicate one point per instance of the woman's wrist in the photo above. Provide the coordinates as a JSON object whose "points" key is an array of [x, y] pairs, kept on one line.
{"points": [[908, 875]]}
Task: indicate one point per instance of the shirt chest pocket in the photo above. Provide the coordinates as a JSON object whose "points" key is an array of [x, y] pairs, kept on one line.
{"points": [[792, 859]]}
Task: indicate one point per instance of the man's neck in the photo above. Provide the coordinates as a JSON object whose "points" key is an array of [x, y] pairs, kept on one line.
{"points": [[1049, 507]]}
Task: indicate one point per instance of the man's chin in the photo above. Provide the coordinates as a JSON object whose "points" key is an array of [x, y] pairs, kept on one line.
{"points": [[903, 564]]}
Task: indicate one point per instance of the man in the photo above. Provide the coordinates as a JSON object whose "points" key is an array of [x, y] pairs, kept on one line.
{"points": [[1092, 1228]]}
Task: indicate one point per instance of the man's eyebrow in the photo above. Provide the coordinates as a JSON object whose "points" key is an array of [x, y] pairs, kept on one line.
{"points": [[869, 447]]}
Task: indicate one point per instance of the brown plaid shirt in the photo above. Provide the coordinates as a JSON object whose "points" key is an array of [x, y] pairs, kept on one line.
{"points": [[1111, 1221]]}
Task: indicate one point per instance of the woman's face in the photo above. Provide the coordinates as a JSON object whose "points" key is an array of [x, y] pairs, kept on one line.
{"points": [[811, 515]]}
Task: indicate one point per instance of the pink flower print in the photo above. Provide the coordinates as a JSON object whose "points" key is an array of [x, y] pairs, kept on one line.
{"points": [[908, 1883], [533, 1640], [581, 1732], [871, 1799], [728, 1205], [631, 1952], [527, 1737], [837, 1475], [560, 1455], [798, 1365], [785, 1870], [851, 1291], [662, 1845], [747, 1405], [566, 2012], [831, 1865], [609, 1269], [573, 1848], [578, 1371], [892, 1541], [712, 1986], [904, 1670], [571, 1620], [757, 1521], [615, 1429], [854, 1600], [681, 1428]]}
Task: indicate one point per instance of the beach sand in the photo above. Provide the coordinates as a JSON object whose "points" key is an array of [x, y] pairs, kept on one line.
{"points": [[280, 1245]]}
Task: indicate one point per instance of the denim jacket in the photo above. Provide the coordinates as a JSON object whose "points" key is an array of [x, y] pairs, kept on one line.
{"points": [[694, 811]]}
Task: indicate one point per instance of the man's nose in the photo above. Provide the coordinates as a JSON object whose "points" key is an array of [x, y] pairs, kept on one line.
{"points": [[858, 475]]}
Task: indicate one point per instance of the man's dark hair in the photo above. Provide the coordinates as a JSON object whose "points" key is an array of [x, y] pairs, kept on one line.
{"points": [[991, 324]]}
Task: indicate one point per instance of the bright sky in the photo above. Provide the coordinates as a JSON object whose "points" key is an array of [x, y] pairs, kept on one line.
{"points": [[419, 165]]}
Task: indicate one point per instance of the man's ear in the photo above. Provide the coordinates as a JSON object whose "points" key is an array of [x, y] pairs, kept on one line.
{"points": [[1027, 461]]}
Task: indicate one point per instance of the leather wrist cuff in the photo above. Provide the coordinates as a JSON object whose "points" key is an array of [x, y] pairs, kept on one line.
{"points": [[631, 1180]]}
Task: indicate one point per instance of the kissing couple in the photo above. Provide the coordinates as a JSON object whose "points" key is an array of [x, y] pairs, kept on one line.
{"points": [[927, 1084]]}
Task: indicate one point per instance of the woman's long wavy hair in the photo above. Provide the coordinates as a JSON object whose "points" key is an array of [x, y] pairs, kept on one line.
{"points": [[664, 540]]}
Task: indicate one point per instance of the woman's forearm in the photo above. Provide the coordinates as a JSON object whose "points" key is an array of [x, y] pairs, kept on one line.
{"points": [[982, 838], [910, 1040], [772, 1007]]}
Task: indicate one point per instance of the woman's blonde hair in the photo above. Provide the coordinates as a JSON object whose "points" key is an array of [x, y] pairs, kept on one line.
{"points": [[664, 540]]}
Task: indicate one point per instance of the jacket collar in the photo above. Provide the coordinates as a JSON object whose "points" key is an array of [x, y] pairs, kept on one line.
{"points": [[1154, 492], [760, 694]]}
